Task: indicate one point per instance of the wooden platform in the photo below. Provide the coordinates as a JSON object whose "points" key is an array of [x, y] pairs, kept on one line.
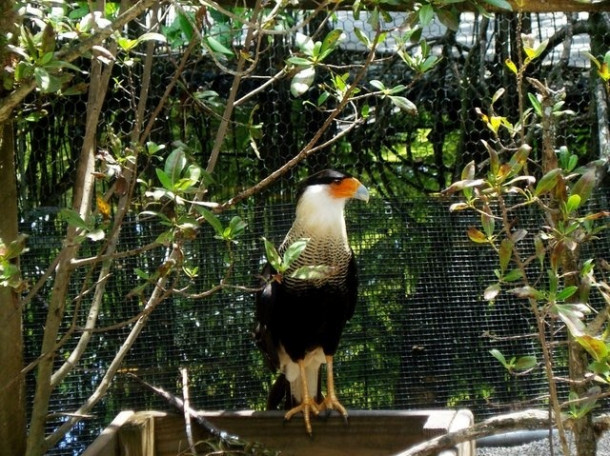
{"points": [[369, 433]]}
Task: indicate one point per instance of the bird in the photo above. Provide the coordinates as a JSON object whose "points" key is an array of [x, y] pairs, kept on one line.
{"points": [[300, 319]]}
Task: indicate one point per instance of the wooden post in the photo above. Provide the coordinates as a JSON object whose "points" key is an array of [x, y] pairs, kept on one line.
{"points": [[137, 436]]}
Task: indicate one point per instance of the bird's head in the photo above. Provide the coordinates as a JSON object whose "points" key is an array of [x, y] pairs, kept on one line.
{"points": [[322, 197]]}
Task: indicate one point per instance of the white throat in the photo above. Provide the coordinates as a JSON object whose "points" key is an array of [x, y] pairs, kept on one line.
{"points": [[320, 214]]}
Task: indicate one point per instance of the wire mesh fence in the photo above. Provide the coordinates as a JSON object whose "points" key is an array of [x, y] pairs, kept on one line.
{"points": [[420, 336], [422, 332]]}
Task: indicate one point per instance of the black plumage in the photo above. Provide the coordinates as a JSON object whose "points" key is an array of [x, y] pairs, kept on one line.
{"points": [[300, 320]]}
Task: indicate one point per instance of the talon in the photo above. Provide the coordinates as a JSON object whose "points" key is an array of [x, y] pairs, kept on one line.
{"points": [[331, 402], [307, 405]]}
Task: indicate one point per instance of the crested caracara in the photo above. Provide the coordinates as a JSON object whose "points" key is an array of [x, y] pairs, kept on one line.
{"points": [[300, 320]]}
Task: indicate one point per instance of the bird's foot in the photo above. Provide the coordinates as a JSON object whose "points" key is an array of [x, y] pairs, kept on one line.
{"points": [[331, 402], [306, 407]]}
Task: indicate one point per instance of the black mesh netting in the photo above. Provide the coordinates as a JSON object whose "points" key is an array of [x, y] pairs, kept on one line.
{"points": [[422, 332], [420, 336]]}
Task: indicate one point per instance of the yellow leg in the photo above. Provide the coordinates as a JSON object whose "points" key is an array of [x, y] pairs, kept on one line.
{"points": [[307, 405], [331, 402]]}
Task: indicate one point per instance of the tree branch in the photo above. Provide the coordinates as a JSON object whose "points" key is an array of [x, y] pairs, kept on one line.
{"points": [[527, 419]]}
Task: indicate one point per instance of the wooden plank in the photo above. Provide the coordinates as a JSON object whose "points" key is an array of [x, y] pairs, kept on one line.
{"points": [[137, 436], [369, 433], [106, 444], [463, 419]]}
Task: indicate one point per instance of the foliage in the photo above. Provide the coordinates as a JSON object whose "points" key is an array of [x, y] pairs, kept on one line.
{"points": [[156, 172], [544, 268]]}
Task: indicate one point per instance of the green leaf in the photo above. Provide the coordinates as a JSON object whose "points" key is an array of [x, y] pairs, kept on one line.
{"points": [[548, 181], [511, 66], [378, 85], [488, 223], [165, 180], [585, 185], [236, 227], [525, 363], [513, 275], [362, 37], [535, 102], [299, 61], [449, 18], [500, 4], [45, 81], [73, 218], [273, 257], [293, 252], [212, 219], [505, 253], [499, 356], [174, 165], [331, 40], [426, 14], [572, 315], [141, 274], [566, 293], [218, 47], [14, 248], [404, 104], [573, 203]]}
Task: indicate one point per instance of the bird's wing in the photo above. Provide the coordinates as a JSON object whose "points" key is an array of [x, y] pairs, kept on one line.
{"points": [[265, 302], [352, 285]]}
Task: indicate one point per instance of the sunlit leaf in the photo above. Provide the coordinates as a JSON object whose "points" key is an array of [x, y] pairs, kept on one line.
{"points": [[525, 363], [404, 104], [273, 257], [573, 203], [527, 292], [511, 65], [312, 272], [218, 47], [477, 236], [294, 250], [595, 346], [302, 81], [499, 356], [96, 234], [491, 292], [103, 207]]}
